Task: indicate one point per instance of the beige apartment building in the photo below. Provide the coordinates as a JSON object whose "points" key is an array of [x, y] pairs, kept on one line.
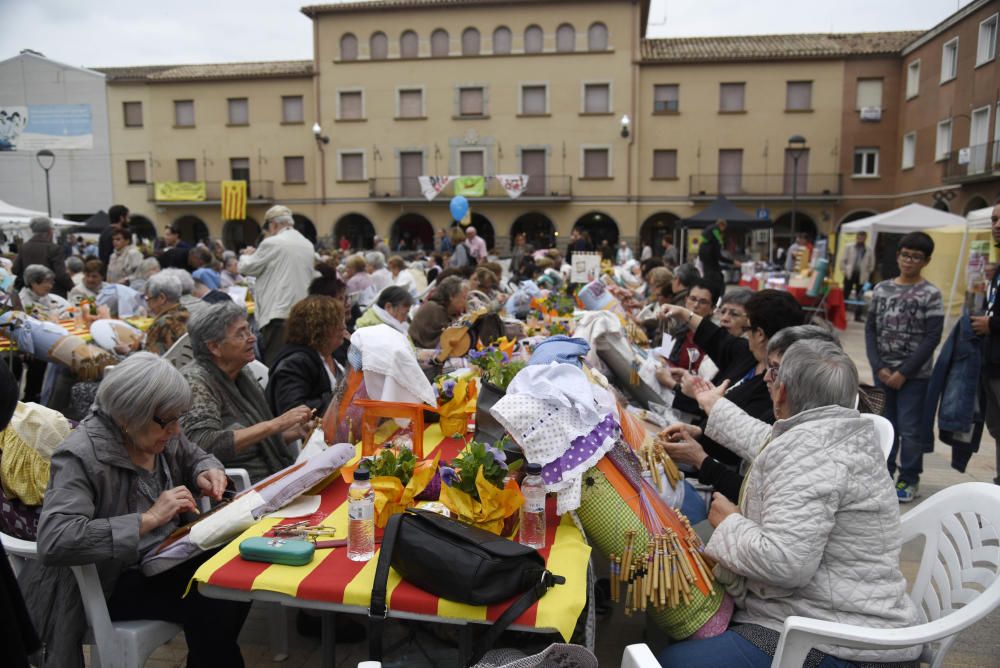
{"points": [[406, 88]]}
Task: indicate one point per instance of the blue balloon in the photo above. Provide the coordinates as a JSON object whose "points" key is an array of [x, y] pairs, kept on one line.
{"points": [[459, 207]]}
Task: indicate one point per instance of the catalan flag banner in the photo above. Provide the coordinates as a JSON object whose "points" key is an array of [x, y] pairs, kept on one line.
{"points": [[470, 186], [332, 578], [234, 200], [179, 191]]}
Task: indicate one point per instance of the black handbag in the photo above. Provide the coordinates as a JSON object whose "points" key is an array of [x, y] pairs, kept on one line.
{"points": [[457, 562]]}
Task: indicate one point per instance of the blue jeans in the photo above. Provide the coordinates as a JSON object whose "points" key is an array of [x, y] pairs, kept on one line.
{"points": [[728, 650], [904, 408]]}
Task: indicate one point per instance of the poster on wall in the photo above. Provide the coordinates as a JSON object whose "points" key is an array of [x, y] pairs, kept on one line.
{"points": [[48, 126]]}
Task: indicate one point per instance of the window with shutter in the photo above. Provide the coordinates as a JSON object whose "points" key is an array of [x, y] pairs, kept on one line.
{"points": [[534, 39], [798, 96], [800, 168], [502, 40], [597, 98], [411, 103], [184, 113], [869, 93], [597, 37], [533, 165], [187, 170], [470, 42], [665, 164], [730, 171], [351, 105], [470, 102], [533, 100], [133, 114], [409, 45], [378, 46], [666, 98], [411, 166], [565, 38], [440, 43], [136, 171], [239, 111], [295, 169], [471, 163], [348, 47], [595, 163], [352, 166], [292, 109], [731, 97]]}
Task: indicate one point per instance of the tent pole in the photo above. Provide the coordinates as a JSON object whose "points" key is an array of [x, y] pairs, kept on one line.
{"points": [[962, 257]]}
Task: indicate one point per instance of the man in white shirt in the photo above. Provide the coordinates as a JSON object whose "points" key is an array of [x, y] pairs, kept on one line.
{"points": [[476, 244], [283, 267]]}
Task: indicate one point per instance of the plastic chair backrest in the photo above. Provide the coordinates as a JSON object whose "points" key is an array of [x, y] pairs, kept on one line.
{"points": [[886, 434], [260, 372], [180, 353], [639, 656]]}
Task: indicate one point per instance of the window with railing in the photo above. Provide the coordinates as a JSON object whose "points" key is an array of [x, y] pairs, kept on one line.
{"points": [[666, 98], [730, 171]]}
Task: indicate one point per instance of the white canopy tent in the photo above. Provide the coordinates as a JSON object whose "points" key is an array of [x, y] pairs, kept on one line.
{"points": [[15, 218], [909, 218]]}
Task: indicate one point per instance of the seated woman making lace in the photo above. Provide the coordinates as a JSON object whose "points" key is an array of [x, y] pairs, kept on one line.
{"points": [[816, 532], [37, 297], [230, 417], [122, 481]]}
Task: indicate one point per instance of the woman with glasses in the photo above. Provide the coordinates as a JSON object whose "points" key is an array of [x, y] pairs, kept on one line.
{"points": [[120, 484], [230, 417], [304, 372], [732, 311]]}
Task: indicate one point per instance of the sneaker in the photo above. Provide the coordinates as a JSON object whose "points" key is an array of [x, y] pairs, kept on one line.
{"points": [[906, 492]]}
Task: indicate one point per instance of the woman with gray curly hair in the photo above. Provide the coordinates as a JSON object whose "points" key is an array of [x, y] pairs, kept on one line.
{"points": [[120, 484], [446, 303], [230, 417], [37, 297]]}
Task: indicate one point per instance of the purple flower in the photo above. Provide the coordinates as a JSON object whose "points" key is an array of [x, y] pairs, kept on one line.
{"points": [[475, 354], [449, 387], [506, 357], [448, 476]]}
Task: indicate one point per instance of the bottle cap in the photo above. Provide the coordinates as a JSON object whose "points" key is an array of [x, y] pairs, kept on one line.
{"points": [[361, 474], [533, 469]]}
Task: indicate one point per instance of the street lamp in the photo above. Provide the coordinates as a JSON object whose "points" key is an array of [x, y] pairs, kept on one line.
{"points": [[796, 148], [46, 159], [318, 134], [625, 123]]}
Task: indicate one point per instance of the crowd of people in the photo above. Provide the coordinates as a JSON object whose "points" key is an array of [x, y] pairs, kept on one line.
{"points": [[765, 410]]}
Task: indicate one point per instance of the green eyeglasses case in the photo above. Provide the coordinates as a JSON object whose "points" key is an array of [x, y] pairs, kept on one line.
{"points": [[277, 550]]}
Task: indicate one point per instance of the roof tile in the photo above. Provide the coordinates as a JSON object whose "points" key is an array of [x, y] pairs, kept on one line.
{"points": [[775, 47], [210, 71]]}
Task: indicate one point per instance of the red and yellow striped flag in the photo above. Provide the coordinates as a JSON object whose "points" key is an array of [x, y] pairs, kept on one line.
{"points": [[234, 200]]}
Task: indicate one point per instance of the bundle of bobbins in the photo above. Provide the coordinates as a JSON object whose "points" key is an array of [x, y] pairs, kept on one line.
{"points": [[652, 458], [661, 573]]}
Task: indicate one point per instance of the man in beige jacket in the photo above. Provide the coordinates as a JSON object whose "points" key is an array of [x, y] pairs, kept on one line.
{"points": [[857, 263]]}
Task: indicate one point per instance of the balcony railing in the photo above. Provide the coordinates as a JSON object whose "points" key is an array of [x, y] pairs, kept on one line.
{"points": [[550, 187], [188, 193], [975, 163], [764, 185]]}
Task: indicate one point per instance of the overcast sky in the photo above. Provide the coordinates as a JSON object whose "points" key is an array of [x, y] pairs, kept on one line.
{"points": [[130, 32]]}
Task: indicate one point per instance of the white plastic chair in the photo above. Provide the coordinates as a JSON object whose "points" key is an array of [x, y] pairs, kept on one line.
{"points": [[115, 644], [260, 372], [886, 434], [180, 353], [958, 582], [639, 656]]}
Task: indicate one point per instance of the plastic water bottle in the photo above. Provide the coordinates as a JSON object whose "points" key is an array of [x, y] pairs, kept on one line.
{"points": [[360, 518], [532, 531]]}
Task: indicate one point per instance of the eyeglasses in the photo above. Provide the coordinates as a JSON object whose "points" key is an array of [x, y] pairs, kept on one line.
{"points": [[244, 333], [165, 424], [701, 301], [907, 257], [771, 373], [731, 312]]}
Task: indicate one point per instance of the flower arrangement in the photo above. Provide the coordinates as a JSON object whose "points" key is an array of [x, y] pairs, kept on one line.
{"points": [[475, 490], [399, 479], [495, 363], [456, 401]]}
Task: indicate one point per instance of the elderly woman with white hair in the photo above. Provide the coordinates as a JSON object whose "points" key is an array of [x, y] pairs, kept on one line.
{"points": [[37, 297], [816, 532], [381, 277], [147, 268], [163, 299], [120, 484], [230, 417]]}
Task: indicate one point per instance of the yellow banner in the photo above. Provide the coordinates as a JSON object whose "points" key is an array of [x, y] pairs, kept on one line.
{"points": [[234, 200], [470, 186], [179, 191]]}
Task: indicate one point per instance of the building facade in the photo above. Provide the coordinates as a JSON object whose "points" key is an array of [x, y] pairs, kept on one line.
{"points": [[467, 87]]}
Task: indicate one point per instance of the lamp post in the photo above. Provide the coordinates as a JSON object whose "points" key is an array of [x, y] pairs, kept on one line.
{"points": [[46, 159], [796, 147]]}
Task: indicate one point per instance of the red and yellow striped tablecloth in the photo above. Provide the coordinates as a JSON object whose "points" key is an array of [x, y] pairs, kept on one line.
{"points": [[333, 578]]}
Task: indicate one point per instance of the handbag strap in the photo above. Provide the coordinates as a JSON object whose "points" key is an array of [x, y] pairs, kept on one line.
{"points": [[377, 610]]}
